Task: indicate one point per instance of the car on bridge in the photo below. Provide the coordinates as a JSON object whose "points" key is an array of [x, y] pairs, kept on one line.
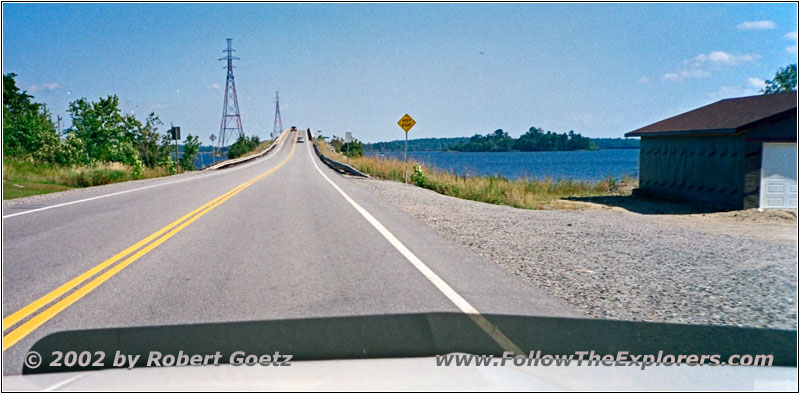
{"points": [[301, 139], [294, 128]]}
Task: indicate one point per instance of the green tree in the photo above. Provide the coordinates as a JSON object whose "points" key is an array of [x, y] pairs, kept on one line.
{"points": [[242, 146], [152, 146], [535, 139], [190, 148], [106, 133], [785, 80], [27, 126], [336, 142], [352, 149]]}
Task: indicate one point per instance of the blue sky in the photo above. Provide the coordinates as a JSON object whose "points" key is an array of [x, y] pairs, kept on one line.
{"points": [[458, 69]]}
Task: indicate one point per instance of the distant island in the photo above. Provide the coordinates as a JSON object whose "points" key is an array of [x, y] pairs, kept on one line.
{"points": [[617, 143], [419, 144], [535, 139]]}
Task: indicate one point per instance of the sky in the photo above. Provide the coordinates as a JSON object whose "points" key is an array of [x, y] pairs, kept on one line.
{"points": [[457, 69]]}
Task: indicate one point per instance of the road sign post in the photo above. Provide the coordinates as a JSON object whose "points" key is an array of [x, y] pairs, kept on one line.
{"points": [[406, 123], [176, 135], [348, 139], [213, 155]]}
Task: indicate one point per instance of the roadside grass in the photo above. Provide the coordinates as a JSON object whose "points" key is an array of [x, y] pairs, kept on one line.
{"points": [[34, 178], [17, 189], [520, 193], [260, 148]]}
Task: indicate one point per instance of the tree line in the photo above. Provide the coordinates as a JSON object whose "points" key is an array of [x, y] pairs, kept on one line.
{"points": [[417, 144], [100, 133], [350, 149], [535, 139]]}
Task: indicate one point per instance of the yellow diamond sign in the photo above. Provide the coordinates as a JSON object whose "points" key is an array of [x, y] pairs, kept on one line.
{"points": [[406, 122]]}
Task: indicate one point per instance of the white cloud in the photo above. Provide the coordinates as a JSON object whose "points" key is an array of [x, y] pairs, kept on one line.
{"points": [[720, 58], [158, 106], [215, 86], [755, 83], [44, 87], [792, 35], [732, 91], [685, 74], [791, 49], [757, 25], [751, 88], [644, 80]]}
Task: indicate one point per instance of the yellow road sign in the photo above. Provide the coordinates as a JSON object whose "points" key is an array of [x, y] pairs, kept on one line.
{"points": [[406, 122]]}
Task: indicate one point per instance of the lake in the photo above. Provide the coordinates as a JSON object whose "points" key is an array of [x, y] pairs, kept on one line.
{"points": [[578, 165], [204, 159]]}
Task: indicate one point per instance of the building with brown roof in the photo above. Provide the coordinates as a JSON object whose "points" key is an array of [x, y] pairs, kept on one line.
{"points": [[733, 154]]}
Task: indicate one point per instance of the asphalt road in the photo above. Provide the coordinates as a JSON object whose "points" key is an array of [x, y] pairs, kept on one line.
{"points": [[292, 239]]}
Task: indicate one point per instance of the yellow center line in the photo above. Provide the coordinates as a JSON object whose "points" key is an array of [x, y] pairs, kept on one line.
{"points": [[173, 228], [46, 299]]}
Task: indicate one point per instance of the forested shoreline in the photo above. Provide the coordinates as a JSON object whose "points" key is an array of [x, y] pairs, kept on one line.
{"points": [[535, 139]]}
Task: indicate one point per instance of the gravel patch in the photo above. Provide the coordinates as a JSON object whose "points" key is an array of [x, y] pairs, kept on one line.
{"points": [[617, 264]]}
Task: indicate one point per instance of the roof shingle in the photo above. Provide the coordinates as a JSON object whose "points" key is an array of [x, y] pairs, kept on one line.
{"points": [[722, 116]]}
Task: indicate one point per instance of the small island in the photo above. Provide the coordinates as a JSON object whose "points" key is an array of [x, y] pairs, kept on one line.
{"points": [[534, 140]]}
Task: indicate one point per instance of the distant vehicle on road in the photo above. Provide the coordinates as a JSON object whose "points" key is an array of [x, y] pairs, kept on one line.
{"points": [[300, 139], [294, 128]]}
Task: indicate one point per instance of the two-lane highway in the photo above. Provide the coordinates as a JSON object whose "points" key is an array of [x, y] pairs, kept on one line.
{"points": [[281, 237]]}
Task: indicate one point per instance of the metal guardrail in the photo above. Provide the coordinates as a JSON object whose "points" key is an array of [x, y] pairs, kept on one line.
{"points": [[239, 160], [337, 166]]}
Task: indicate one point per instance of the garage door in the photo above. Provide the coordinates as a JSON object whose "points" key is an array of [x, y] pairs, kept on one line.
{"points": [[779, 176]]}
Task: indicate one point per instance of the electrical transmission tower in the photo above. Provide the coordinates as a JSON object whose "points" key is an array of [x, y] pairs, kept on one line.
{"points": [[231, 126], [277, 127]]}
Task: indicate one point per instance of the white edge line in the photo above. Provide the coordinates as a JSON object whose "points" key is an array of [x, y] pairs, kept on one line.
{"points": [[143, 188], [440, 284]]}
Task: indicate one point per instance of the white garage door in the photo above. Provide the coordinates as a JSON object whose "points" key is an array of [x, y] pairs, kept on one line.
{"points": [[779, 175]]}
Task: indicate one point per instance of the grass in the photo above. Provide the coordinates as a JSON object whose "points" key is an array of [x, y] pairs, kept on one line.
{"points": [[520, 193], [22, 178], [260, 148], [17, 189]]}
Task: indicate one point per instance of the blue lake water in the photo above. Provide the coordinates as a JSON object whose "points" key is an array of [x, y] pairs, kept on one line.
{"points": [[578, 165], [204, 159]]}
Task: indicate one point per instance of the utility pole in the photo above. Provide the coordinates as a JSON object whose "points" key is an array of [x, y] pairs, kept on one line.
{"points": [[277, 126], [231, 125], [59, 124]]}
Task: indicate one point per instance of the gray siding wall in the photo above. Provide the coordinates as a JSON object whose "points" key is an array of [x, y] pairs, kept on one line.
{"points": [[780, 128], [752, 174], [707, 170]]}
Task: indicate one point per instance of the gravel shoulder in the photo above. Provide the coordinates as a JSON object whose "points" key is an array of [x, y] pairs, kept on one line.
{"points": [[727, 268]]}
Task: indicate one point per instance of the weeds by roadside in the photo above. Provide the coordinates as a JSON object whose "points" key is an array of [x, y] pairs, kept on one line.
{"points": [[520, 193], [32, 177]]}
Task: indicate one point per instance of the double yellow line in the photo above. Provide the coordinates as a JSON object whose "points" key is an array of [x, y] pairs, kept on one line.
{"points": [[157, 238]]}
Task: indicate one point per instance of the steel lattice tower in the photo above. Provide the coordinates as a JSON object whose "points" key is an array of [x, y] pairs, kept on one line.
{"points": [[277, 127], [231, 126]]}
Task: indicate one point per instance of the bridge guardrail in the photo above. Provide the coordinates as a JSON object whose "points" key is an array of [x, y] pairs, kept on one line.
{"points": [[239, 160], [337, 166]]}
